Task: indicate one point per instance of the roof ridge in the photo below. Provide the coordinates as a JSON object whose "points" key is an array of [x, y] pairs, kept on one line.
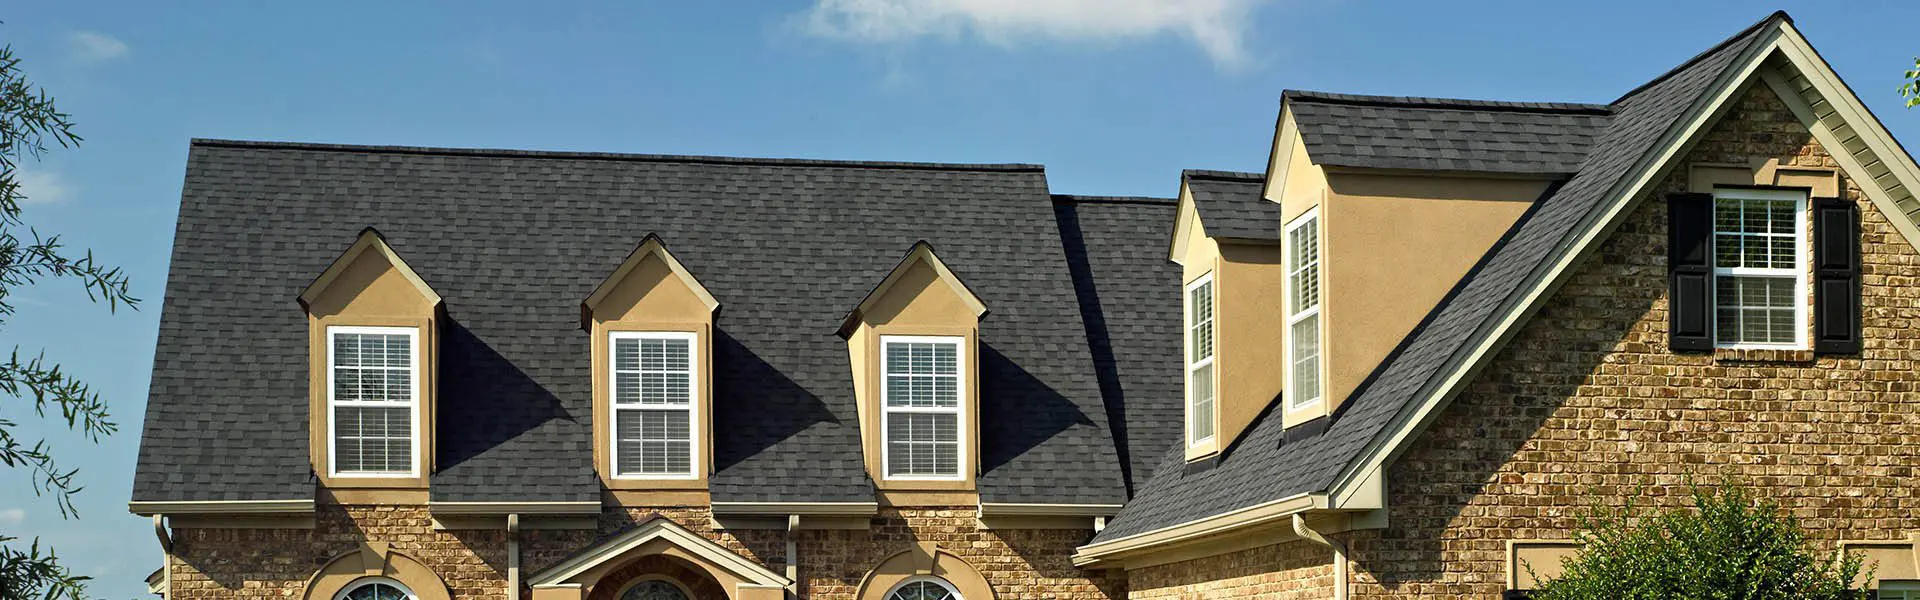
{"points": [[1088, 199], [1229, 175], [1293, 95], [614, 156], [1780, 15]]}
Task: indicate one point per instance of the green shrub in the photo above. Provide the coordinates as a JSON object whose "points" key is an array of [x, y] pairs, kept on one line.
{"points": [[1728, 546]]}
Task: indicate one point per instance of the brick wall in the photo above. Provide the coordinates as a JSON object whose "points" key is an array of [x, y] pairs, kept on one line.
{"points": [[1296, 570], [267, 563], [1587, 405]]}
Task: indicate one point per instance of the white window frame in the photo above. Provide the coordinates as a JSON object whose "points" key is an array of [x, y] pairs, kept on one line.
{"points": [[959, 410], [1309, 218], [1802, 262], [694, 448], [333, 459], [367, 581], [947, 585], [1191, 365]]}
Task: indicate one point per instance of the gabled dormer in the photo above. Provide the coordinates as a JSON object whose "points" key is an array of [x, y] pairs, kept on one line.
{"points": [[1227, 243], [650, 324], [373, 341], [913, 343], [1377, 230]]}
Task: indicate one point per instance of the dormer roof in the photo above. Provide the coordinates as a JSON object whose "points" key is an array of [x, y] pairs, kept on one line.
{"points": [[369, 240], [920, 253], [649, 246]]}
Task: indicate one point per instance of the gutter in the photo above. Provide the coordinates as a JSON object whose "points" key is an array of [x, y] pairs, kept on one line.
{"points": [[513, 556], [782, 509], [166, 555], [1264, 513], [515, 508], [222, 507]]}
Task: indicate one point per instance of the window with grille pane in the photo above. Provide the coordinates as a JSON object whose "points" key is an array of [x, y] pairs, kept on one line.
{"points": [[923, 406], [372, 398], [1303, 311], [1759, 241], [1200, 398], [653, 396]]}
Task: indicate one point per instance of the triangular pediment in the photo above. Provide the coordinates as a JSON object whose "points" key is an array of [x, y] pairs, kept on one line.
{"points": [[369, 241], [647, 539], [921, 254], [650, 248]]}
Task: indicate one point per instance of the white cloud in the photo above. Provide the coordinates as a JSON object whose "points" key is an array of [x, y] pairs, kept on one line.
{"points": [[12, 516], [1216, 26], [93, 46], [41, 187]]}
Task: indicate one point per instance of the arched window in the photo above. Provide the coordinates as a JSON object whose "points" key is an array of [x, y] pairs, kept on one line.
{"points": [[655, 589], [375, 588], [924, 588]]}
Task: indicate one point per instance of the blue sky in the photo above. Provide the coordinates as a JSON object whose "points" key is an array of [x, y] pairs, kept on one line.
{"points": [[1114, 100]]}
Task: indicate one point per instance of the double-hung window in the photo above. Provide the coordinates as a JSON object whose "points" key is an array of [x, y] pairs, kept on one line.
{"points": [[1759, 268], [1303, 311], [655, 391], [923, 394], [1200, 400], [373, 401], [1899, 590]]}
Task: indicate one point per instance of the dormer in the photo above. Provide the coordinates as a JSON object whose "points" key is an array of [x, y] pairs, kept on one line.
{"points": [[1227, 243], [913, 344], [1380, 224], [650, 328], [373, 341]]}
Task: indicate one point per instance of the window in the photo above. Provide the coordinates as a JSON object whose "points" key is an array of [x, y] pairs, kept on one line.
{"points": [[654, 391], [373, 396], [1303, 311], [1759, 265], [1900, 590], [654, 589], [375, 588], [1200, 401], [923, 395], [924, 588]]}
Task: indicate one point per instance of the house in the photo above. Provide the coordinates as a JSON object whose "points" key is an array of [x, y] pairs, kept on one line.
{"points": [[1397, 364]]}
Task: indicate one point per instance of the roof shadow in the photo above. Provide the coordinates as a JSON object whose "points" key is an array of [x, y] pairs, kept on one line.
{"points": [[1025, 412], [485, 399], [746, 390]]}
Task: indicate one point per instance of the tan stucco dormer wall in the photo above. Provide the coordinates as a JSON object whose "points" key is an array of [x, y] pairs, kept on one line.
{"points": [[365, 288], [1392, 244], [920, 300], [650, 293], [1247, 281]]}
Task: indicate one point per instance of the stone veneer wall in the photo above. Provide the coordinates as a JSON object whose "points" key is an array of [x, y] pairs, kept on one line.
{"points": [[1586, 404], [275, 563], [1298, 570]]}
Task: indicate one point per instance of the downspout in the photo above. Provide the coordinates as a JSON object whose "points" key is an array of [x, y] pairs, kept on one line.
{"points": [[166, 555], [513, 556], [793, 554], [1339, 554]]}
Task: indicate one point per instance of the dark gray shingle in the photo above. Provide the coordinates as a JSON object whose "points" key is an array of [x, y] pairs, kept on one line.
{"points": [[1231, 208], [1392, 132], [514, 240]]}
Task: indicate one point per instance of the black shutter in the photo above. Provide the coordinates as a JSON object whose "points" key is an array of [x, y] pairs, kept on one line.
{"points": [[1517, 595], [1836, 276], [1690, 272]]}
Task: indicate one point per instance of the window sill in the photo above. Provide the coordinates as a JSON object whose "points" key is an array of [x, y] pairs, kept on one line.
{"points": [[1772, 355]]}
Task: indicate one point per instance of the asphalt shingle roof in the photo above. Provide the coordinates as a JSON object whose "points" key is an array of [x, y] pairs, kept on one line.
{"points": [[1261, 467], [1231, 206], [515, 240], [1390, 132], [1129, 297]]}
